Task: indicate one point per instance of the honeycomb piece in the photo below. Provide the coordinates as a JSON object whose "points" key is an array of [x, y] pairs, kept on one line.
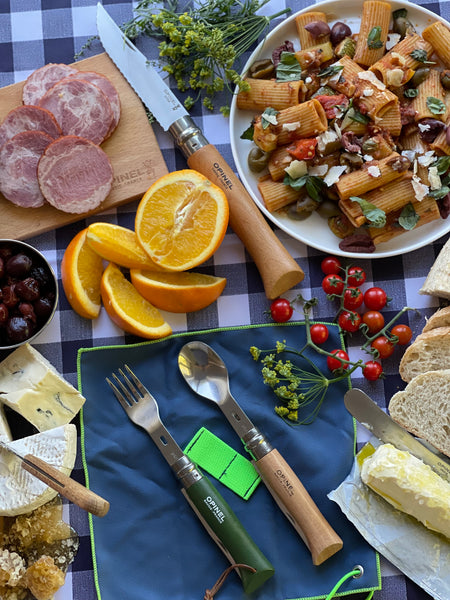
{"points": [[43, 578], [15, 593], [12, 568]]}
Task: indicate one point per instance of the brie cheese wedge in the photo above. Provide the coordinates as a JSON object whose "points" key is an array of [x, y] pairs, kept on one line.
{"points": [[21, 492], [5, 431]]}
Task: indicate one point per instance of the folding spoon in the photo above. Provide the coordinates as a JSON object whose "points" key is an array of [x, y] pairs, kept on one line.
{"points": [[206, 373]]}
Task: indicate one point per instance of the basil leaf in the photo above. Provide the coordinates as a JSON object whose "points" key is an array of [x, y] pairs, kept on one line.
{"points": [[269, 117], [296, 184], [248, 133], [408, 217], [410, 93], [331, 70], [357, 116], [421, 56], [314, 186], [288, 69], [440, 193], [442, 164], [436, 106], [374, 38], [375, 216]]}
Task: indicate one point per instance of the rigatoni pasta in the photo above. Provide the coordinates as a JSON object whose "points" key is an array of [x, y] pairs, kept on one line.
{"points": [[371, 42]]}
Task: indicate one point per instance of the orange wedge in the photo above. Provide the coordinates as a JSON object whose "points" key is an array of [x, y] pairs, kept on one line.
{"points": [[81, 273], [119, 245], [178, 292], [181, 220], [128, 309]]}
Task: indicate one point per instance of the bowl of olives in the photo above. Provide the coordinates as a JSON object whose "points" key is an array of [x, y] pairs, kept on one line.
{"points": [[28, 293]]}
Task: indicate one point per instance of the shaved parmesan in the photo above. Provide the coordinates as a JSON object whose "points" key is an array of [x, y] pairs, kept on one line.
{"points": [[392, 40], [426, 159], [434, 179], [318, 170], [374, 171], [420, 189], [296, 169], [290, 126], [333, 175], [369, 76]]}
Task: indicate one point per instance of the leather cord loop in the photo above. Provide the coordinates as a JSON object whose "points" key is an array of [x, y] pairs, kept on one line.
{"points": [[209, 594]]}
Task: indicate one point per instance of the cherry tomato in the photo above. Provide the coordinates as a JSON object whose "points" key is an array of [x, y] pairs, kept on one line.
{"points": [[304, 149], [374, 321], [372, 370], [349, 321], [334, 363], [319, 333], [330, 265], [353, 298], [375, 298], [404, 334], [333, 284], [281, 310], [356, 276], [383, 345]]}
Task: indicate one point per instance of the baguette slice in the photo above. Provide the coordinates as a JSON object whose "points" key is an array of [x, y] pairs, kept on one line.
{"points": [[410, 486], [423, 408], [441, 318], [430, 351], [437, 282]]}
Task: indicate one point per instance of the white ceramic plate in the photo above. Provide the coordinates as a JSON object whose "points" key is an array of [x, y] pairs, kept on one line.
{"points": [[314, 231]]}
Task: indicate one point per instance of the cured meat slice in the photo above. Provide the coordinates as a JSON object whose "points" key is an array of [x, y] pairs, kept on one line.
{"points": [[19, 158], [28, 118], [80, 108], [107, 88], [75, 174], [43, 79]]}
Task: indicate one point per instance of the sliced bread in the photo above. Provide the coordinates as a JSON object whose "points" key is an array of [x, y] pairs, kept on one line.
{"points": [[430, 351], [437, 282], [423, 408], [441, 318]]}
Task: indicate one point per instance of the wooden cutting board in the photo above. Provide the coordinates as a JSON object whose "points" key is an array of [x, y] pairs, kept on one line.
{"points": [[132, 149]]}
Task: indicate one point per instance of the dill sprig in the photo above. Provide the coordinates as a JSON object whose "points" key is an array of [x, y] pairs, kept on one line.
{"points": [[200, 44]]}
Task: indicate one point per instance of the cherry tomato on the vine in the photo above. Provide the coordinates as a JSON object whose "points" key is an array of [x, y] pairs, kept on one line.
{"points": [[353, 298], [330, 265], [375, 298], [333, 284], [349, 321], [374, 321], [281, 310], [404, 334], [319, 333], [383, 345], [372, 370], [334, 363], [356, 276]]}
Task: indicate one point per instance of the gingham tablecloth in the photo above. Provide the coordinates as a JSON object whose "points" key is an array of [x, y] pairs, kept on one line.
{"points": [[36, 32]]}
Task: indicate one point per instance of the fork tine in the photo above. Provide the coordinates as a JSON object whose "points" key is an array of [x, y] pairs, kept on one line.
{"points": [[141, 387], [117, 393]]}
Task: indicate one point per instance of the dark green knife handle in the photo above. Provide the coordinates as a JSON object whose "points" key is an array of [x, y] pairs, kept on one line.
{"points": [[228, 533]]}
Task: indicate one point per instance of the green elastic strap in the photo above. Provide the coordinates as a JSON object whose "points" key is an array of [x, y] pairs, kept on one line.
{"points": [[356, 572], [223, 462]]}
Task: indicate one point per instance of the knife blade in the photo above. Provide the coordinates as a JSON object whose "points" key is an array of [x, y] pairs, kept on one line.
{"points": [[373, 418], [64, 485], [278, 270]]}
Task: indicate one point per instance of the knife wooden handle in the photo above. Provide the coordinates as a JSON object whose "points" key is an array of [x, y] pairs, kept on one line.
{"points": [[277, 268], [67, 487], [298, 506]]}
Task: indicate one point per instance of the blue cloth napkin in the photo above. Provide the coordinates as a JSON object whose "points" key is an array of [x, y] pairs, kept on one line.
{"points": [[150, 545]]}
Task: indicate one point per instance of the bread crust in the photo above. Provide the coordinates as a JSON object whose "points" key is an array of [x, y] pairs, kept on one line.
{"points": [[437, 282], [441, 318], [429, 352]]}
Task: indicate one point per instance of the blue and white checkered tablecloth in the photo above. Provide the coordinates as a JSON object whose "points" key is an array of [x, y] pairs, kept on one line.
{"points": [[36, 32]]}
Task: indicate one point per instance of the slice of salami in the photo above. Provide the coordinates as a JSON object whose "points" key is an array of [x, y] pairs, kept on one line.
{"points": [[75, 174], [107, 88], [43, 79], [28, 118], [80, 108], [19, 158]]}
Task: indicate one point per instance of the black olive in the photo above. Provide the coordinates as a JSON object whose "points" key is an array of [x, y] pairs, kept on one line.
{"points": [[18, 265], [429, 134], [317, 29], [10, 298], [339, 32], [42, 276], [43, 307], [4, 313], [18, 329], [28, 289]]}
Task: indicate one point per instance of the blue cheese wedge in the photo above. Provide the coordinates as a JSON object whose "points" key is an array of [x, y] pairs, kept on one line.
{"points": [[30, 385], [21, 492], [410, 486]]}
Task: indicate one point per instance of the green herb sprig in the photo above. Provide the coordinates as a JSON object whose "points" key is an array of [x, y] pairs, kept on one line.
{"points": [[199, 44]]}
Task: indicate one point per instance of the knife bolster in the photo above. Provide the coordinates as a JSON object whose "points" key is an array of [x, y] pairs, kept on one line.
{"points": [[186, 471], [256, 444], [187, 136]]}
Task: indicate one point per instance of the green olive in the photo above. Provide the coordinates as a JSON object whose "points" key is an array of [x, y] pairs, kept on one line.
{"points": [[403, 26], [445, 79], [340, 226], [327, 209], [257, 160], [419, 76], [262, 69], [301, 209]]}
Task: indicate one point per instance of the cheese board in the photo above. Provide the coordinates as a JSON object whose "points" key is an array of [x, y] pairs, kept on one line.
{"points": [[133, 151]]}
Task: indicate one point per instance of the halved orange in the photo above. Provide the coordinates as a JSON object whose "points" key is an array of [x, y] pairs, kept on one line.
{"points": [[128, 309], [119, 245], [181, 220], [178, 292], [81, 273]]}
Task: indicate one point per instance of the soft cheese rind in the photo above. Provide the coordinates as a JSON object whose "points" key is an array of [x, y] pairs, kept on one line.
{"points": [[30, 385], [21, 492], [410, 486], [5, 431]]}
